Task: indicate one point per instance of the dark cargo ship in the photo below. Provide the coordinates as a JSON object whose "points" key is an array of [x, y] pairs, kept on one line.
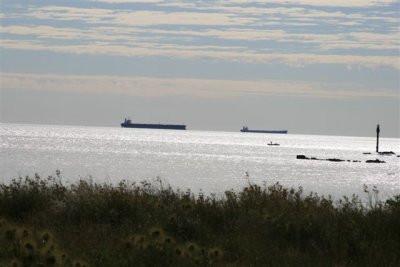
{"points": [[128, 124], [246, 130]]}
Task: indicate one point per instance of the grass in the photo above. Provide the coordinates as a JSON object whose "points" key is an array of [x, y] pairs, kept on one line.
{"points": [[45, 223]]}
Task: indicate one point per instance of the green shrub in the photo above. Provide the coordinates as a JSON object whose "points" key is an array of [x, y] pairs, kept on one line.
{"points": [[131, 224]]}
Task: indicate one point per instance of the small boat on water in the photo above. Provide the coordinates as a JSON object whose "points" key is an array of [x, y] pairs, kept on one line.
{"points": [[245, 129], [273, 144]]}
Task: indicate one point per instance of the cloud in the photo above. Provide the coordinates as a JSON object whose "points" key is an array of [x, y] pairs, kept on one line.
{"points": [[137, 37], [157, 87], [47, 33], [129, 1], [361, 40], [224, 22], [137, 18], [310, 14], [238, 31], [335, 3], [175, 51], [211, 15]]}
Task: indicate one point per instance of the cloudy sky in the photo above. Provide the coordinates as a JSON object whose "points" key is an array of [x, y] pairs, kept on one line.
{"points": [[309, 66]]}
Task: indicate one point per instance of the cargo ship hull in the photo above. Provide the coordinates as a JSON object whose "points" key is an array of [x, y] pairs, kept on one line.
{"points": [[246, 130], [128, 124], [154, 126]]}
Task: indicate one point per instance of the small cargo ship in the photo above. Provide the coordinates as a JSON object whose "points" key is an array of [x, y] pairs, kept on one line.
{"points": [[245, 129], [128, 124]]}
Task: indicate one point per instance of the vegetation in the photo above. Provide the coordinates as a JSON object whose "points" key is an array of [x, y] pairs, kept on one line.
{"points": [[45, 223]]}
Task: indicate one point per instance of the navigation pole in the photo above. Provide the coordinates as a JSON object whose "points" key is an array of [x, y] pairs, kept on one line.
{"points": [[377, 138]]}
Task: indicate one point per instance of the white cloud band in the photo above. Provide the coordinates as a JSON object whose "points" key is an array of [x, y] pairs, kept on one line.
{"points": [[158, 87]]}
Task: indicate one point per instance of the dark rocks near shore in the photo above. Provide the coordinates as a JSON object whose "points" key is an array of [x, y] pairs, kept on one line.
{"points": [[383, 153], [314, 158], [335, 160], [386, 153], [375, 161], [338, 160]]}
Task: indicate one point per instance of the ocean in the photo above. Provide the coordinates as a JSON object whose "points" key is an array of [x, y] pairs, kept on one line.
{"points": [[202, 161]]}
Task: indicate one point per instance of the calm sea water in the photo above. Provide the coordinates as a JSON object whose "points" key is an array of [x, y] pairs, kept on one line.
{"points": [[199, 160]]}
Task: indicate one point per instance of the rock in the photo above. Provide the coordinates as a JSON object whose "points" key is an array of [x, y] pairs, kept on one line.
{"points": [[386, 153], [332, 159], [301, 157], [375, 161], [335, 160]]}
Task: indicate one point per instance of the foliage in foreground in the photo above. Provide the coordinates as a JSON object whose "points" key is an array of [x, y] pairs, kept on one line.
{"points": [[48, 224]]}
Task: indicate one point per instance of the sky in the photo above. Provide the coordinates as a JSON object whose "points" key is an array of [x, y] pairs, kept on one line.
{"points": [[307, 66]]}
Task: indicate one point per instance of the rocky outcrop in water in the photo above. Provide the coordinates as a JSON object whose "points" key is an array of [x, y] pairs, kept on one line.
{"points": [[302, 157], [375, 161], [338, 160], [387, 153], [314, 158], [335, 160]]}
